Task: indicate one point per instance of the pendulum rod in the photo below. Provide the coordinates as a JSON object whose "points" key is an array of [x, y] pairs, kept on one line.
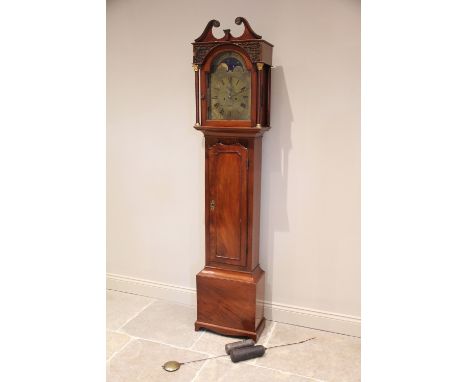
{"points": [[258, 351]]}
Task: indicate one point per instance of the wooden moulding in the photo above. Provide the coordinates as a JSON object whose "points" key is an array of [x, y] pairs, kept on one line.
{"points": [[233, 131]]}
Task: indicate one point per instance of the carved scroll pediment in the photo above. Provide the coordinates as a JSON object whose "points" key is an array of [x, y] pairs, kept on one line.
{"points": [[207, 35], [256, 48]]}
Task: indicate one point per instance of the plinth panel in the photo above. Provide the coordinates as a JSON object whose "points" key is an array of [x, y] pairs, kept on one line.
{"points": [[231, 302]]}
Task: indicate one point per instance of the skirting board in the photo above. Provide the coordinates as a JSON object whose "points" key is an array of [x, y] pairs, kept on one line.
{"points": [[332, 322]]}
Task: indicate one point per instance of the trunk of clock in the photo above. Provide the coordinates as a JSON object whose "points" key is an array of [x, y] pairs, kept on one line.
{"points": [[230, 289], [227, 198]]}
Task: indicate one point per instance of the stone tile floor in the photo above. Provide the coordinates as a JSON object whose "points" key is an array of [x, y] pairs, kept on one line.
{"points": [[143, 333]]}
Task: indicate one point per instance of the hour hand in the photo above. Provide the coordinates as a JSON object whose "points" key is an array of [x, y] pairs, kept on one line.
{"points": [[240, 91]]}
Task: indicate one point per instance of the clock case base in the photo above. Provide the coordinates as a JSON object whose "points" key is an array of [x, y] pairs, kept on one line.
{"points": [[231, 302]]}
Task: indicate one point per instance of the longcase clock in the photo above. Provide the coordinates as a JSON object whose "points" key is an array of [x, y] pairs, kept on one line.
{"points": [[232, 93]]}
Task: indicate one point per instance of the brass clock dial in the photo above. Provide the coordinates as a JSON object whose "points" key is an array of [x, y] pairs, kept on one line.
{"points": [[229, 88]]}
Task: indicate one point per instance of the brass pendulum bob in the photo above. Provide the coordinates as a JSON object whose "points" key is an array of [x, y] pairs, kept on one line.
{"points": [[171, 366]]}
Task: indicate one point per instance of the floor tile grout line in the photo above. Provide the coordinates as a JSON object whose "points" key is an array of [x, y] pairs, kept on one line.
{"points": [[278, 370], [199, 371], [269, 334], [118, 351], [133, 338], [267, 339], [169, 301], [289, 373], [131, 293], [163, 343], [198, 339], [136, 315]]}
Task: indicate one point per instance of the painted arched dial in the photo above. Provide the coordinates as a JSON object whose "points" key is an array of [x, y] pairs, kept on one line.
{"points": [[229, 88]]}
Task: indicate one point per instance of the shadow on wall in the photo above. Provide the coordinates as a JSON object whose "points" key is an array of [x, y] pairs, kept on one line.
{"points": [[276, 147]]}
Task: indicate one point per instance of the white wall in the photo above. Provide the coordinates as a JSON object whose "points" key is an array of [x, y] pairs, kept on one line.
{"points": [[310, 217]]}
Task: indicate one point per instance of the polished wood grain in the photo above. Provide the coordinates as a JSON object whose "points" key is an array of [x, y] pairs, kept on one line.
{"points": [[250, 149], [231, 287], [231, 303], [227, 218]]}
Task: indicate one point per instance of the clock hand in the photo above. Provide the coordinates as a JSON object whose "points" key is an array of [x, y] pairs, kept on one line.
{"points": [[240, 91]]}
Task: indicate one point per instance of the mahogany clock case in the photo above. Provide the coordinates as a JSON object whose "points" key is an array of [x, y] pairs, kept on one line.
{"points": [[230, 288]]}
